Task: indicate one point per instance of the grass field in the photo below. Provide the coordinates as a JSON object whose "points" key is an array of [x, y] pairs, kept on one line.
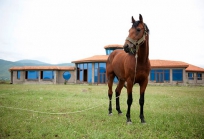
{"points": [[81, 111]]}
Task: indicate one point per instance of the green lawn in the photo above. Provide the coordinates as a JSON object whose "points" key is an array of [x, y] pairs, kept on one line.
{"points": [[81, 111]]}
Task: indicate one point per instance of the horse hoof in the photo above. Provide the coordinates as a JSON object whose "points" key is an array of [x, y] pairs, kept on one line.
{"points": [[120, 113], [129, 123], [143, 121], [110, 114]]}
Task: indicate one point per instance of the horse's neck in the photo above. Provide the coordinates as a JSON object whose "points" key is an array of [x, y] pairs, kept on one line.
{"points": [[143, 53]]}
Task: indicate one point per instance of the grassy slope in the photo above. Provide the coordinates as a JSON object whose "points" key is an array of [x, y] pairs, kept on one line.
{"points": [[171, 112]]}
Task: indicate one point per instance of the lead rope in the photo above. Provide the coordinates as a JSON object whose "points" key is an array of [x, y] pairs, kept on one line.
{"points": [[135, 68]]}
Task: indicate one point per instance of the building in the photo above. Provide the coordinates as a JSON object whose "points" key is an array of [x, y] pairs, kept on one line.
{"points": [[175, 72], [42, 75], [92, 70]]}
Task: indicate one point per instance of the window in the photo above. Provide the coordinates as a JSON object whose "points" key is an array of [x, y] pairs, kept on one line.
{"points": [[66, 75], [160, 75], [47, 74], [84, 72], [99, 72], [89, 72], [190, 76], [177, 74], [167, 75], [102, 72], [109, 51], [31, 75], [199, 76], [18, 75], [95, 72], [152, 75], [81, 73]]}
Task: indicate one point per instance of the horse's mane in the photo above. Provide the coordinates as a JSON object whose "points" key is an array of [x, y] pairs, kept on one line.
{"points": [[137, 23]]}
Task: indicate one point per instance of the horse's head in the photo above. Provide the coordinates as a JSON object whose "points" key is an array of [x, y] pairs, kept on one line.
{"points": [[136, 36]]}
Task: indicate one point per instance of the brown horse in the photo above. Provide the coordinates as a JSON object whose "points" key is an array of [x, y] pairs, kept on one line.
{"points": [[130, 66]]}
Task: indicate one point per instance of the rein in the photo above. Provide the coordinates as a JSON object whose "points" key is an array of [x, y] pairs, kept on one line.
{"points": [[135, 68]]}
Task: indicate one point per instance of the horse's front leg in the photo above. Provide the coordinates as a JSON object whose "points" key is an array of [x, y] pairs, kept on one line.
{"points": [[141, 102], [129, 101]]}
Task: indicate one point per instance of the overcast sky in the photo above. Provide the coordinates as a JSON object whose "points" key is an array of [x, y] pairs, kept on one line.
{"points": [[61, 31]]}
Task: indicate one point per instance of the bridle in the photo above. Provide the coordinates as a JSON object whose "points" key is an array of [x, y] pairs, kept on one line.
{"points": [[137, 43]]}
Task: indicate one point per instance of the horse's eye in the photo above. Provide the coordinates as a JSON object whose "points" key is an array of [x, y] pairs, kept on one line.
{"points": [[138, 29]]}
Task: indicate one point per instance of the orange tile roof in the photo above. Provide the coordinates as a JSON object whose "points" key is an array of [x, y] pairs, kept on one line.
{"points": [[113, 46], [175, 64], [154, 63], [103, 58], [42, 68], [168, 64], [96, 58], [194, 68]]}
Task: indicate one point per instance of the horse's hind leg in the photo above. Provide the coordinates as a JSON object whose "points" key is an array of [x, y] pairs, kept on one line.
{"points": [[117, 95], [110, 92]]}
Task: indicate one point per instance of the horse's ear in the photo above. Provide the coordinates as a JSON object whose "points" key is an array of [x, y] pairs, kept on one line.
{"points": [[133, 20], [140, 17]]}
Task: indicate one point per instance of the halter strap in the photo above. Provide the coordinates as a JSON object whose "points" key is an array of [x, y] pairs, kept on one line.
{"points": [[137, 43]]}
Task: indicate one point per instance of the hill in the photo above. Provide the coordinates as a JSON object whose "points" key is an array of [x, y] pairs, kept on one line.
{"points": [[6, 65], [31, 62]]}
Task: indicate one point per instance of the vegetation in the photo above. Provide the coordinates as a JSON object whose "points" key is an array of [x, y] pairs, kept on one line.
{"points": [[4, 81], [81, 111]]}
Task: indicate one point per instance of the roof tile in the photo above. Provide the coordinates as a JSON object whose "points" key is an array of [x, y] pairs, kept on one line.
{"points": [[43, 68], [103, 58], [96, 58], [168, 64], [113, 46]]}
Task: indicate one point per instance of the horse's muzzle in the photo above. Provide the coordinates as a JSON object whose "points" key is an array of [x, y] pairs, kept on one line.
{"points": [[129, 48], [126, 48]]}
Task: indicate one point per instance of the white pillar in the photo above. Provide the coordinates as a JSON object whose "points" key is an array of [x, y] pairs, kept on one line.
{"points": [[55, 77], [171, 76]]}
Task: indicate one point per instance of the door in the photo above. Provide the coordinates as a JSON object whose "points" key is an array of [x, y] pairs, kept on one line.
{"points": [[85, 75], [159, 77]]}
